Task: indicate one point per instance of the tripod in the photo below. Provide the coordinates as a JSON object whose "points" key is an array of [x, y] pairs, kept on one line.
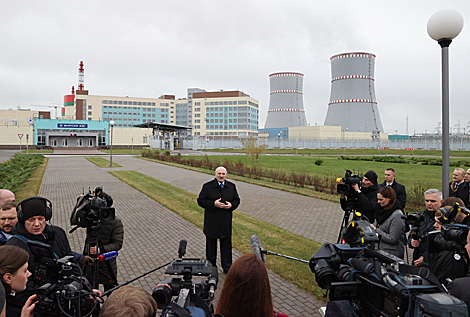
{"points": [[92, 272], [351, 208]]}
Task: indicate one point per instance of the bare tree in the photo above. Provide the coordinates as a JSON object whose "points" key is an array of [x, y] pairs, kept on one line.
{"points": [[253, 148]]}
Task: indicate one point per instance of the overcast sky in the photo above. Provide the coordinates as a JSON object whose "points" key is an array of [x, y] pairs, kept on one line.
{"points": [[151, 48]]}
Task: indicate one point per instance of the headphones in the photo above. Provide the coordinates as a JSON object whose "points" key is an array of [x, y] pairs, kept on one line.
{"points": [[19, 208]]}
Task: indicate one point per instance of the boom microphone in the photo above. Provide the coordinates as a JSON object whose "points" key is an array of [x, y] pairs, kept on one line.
{"points": [[108, 256], [257, 248], [182, 248], [212, 281]]}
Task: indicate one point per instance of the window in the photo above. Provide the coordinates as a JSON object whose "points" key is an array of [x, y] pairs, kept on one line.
{"points": [[197, 115], [89, 107], [89, 113]]}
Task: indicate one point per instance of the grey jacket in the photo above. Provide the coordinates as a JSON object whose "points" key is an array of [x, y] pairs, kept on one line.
{"points": [[392, 234]]}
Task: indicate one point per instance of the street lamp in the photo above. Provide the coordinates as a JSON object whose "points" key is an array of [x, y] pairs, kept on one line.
{"points": [[111, 124], [443, 26], [278, 142]]}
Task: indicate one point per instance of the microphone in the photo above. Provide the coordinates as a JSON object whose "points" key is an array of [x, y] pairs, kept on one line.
{"points": [[108, 256], [257, 248], [212, 281], [182, 248]]}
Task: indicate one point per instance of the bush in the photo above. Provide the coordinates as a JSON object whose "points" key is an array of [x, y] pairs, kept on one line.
{"points": [[318, 162], [17, 170]]}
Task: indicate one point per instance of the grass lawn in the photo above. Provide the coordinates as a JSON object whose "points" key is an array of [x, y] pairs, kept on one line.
{"points": [[101, 162], [31, 187], [272, 237]]}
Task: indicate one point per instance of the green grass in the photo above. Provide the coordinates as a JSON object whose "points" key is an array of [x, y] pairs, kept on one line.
{"points": [[101, 162], [272, 237], [31, 186], [23, 151]]}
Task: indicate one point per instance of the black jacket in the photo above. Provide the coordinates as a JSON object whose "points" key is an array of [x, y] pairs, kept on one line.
{"points": [[462, 192], [366, 202], [218, 222], [53, 236], [426, 225], [400, 191]]}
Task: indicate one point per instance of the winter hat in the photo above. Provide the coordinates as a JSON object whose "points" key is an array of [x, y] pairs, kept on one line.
{"points": [[372, 176]]}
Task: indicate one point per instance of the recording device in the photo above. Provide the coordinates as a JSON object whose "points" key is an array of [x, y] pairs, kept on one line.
{"points": [[62, 292], [413, 221], [192, 294], [450, 213], [345, 183], [91, 208]]}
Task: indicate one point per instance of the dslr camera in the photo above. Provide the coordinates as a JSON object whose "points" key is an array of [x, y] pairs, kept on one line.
{"points": [[92, 208], [62, 291]]}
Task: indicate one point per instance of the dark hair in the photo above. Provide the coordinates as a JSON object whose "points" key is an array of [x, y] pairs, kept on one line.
{"points": [[388, 192], [12, 258], [8, 205], [246, 290], [450, 202], [391, 170], [129, 301]]}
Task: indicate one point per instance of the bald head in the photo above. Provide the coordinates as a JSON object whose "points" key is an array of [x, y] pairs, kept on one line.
{"points": [[6, 196], [220, 174]]}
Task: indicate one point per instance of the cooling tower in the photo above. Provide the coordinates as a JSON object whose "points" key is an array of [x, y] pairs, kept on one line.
{"points": [[352, 101], [286, 106]]}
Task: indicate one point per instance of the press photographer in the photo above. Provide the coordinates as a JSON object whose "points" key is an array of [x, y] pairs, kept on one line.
{"points": [[33, 213], [422, 224], [365, 196]]}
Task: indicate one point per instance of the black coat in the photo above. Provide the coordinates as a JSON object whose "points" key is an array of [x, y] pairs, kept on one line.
{"points": [[218, 222], [400, 191], [462, 192], [447, 264], [52, 235], [426, 225]]}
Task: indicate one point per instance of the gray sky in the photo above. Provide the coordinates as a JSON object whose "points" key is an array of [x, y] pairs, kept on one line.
{"points": [[151, 48]]}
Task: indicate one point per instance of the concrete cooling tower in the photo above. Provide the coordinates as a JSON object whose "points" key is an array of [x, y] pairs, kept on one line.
{"points": [[353, 105], [286, 106]]}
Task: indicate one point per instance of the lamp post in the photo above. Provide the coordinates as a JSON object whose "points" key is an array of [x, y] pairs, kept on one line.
{"points": [[443, 26], [111, 124]]}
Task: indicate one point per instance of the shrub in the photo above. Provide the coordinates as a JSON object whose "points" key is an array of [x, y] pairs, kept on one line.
{"points": [[318, 162]]}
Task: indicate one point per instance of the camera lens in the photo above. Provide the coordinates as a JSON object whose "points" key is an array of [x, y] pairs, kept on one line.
{"points": [[162, 295], [324, 274]]}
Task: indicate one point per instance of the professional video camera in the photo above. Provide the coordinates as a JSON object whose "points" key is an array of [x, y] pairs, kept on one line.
{"points": [[62, 292], [91, 208], [345, 183], [194, 294], [413, 221]]}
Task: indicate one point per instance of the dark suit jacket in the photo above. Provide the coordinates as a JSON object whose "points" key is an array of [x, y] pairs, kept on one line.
{"points": [[462, 192], [399, 189], [218, 222]]}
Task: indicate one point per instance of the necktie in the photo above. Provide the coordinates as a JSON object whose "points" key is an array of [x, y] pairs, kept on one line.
{"points": [[222, 185]]}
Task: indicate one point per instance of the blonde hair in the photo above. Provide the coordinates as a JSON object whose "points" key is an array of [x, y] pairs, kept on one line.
{"points": [[129, 301]]}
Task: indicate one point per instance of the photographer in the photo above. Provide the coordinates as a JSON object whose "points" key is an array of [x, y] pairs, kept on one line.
{"points": [[33, 213], [366, 196], [433, 201]]}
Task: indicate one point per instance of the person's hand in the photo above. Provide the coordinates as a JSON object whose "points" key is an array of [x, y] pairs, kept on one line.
{"points": [[87, 261], [97, 292], [414, 243], [373, 227], [94, 250], [355, 187], [341, 196], [219, 204], [227, 205], [29, 306], [419, 262]]}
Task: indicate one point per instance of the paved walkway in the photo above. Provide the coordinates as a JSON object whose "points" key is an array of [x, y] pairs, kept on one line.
{"points": [[152, 232]]}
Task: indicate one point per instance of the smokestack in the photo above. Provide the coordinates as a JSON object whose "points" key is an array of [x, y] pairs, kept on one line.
{"points": [[81, 77]]}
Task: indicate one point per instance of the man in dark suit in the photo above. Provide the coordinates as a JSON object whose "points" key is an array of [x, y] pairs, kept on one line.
{"points": [[458, 187], [219, 198], [397, 187]]}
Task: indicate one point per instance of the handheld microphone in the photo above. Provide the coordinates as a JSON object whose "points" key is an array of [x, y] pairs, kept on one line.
{"points": [[108, 256], [257, 248], [182, 248]]}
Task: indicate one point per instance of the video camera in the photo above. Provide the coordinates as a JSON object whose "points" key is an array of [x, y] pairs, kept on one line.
{"points": [[62, 292], [193, 294], [376, 283], [92, 208], [413, 220], [345, 183]]}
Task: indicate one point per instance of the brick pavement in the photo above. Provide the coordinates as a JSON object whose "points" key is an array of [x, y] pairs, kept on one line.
{"points": [[152, 232]]}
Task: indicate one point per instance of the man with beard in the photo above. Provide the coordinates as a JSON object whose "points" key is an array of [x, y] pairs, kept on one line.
{"points": [[366, 196], [8, 220]]}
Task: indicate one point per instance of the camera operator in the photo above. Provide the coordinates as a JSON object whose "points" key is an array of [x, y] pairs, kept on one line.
{"points": [[129, 301], [366, 196], [111, 236], [33, 213], [433, 201]]}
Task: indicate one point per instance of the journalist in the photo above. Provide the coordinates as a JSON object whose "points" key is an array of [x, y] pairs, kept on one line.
{"points": [[444, 263], [246, 290], [389, 223], [33, 213], [433, 201], [366, 196], [14, 276], [129, 301]]}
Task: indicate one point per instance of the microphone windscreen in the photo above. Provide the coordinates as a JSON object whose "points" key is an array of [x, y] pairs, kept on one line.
{"points": [[182, 248], [256, 247]]}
